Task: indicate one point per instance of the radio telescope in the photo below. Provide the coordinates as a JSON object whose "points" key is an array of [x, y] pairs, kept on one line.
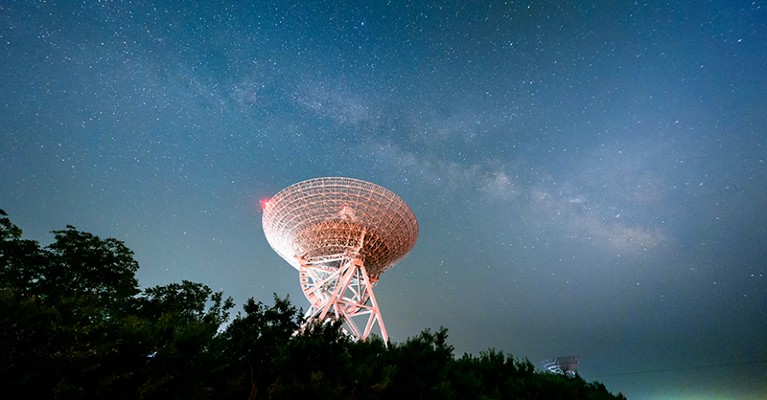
{"points": [[566, 365], [340, 234]]}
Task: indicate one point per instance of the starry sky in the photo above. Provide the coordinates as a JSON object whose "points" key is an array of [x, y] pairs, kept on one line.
{"points": [[588, 178]]}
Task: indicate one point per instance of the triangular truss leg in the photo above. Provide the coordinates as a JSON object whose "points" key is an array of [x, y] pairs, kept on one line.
{"points": [[339, 287]]}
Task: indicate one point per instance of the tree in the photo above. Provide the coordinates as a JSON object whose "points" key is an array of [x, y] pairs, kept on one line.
{"points": [[249, 345], [76, 326], [180, 323], [421, 366]]}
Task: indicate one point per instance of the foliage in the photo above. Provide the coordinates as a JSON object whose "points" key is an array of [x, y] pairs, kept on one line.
{"points": [[76, 326]]}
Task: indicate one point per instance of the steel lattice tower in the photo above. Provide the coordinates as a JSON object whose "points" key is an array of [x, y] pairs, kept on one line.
{"points": [[567, 365], [340, 234]]}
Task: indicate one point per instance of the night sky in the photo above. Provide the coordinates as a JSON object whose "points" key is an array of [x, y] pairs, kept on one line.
{"points": [[588, 179]]}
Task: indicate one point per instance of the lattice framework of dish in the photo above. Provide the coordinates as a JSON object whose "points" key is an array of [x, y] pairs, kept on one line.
{"points": [[328, 216]]}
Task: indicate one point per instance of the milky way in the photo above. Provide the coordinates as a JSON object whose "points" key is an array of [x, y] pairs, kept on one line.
{"points": [[588, 180]]}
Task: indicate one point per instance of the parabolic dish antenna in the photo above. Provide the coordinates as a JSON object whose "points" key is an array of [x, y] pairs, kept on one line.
{"points": [[340, 234], [567, 365]]}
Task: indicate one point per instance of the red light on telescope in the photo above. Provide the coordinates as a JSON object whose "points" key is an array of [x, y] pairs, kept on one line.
{"points": [[265, 203]]}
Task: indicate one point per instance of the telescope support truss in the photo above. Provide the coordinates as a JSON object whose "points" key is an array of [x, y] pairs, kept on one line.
{"points": [[340, 234], [339, 287]]}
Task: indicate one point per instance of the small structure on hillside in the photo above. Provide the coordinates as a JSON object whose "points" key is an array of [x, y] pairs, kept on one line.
{"points": [[566, 365]]}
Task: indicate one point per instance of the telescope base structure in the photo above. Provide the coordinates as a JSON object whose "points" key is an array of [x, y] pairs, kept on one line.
{"points": [[567, 365], [340, 234], [339, 287]]}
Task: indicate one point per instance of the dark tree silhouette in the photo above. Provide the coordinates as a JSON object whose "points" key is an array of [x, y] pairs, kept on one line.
{"points": [[75, 325]]}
